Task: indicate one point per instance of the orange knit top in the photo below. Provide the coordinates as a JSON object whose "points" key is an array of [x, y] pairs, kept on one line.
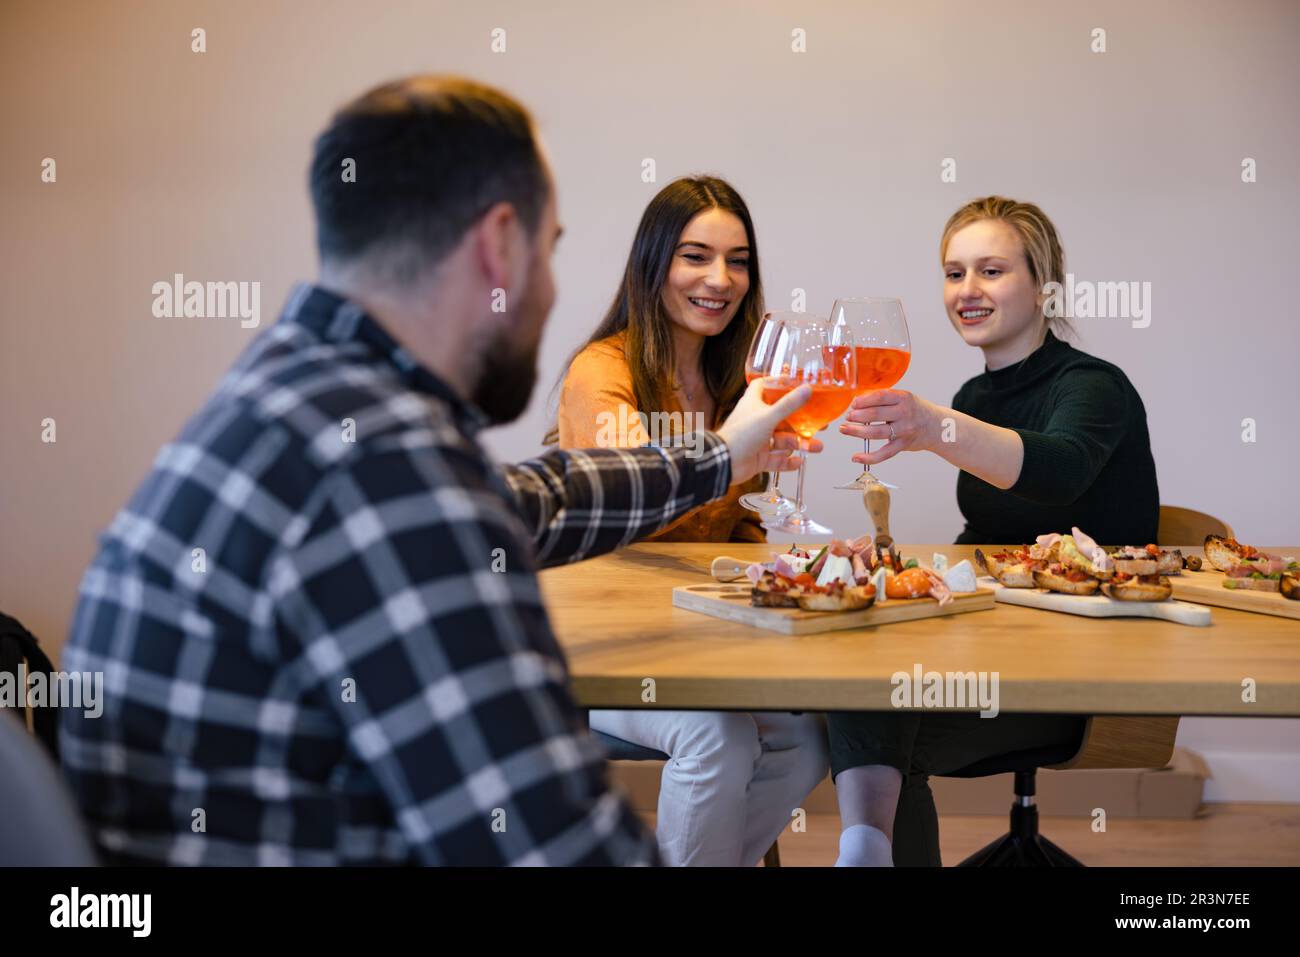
{"points": [[598, 407]]}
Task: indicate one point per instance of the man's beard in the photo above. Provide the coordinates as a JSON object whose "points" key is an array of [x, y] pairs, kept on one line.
{"points": [[506, 383]]}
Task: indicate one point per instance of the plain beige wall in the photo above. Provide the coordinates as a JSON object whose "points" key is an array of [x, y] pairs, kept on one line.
{"points": [[171, 161]]}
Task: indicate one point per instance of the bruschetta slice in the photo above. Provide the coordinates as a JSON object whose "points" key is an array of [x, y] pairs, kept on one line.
{"points": [[838, 597], [1068, 581], [1226, 553], [1007, 568], [1139, 588]]}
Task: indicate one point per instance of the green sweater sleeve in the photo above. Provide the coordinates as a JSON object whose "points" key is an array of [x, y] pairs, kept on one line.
{"points": [[1090, 414]]}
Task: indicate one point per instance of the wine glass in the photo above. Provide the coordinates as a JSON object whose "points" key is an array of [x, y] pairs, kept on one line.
{"points": [[807, 349], [770, 502], [883, 349]]}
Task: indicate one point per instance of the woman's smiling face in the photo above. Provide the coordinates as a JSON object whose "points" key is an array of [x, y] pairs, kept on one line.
{"points": [[709, 275], [989, 292]]}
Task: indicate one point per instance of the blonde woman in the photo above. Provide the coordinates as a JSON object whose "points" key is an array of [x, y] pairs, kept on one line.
{"points": [[1047, 437], [673, 343]]}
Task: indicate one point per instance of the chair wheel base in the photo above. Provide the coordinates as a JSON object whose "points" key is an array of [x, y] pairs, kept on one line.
{"points": [[1013, 850]]}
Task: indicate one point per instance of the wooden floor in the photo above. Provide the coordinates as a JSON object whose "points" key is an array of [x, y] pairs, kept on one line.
{"points": [[1227, 835]]}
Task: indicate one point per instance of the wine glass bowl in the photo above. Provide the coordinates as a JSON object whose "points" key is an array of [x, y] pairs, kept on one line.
{"points": [[883, 349], [807, 350], [769, 502], [827, 403]]}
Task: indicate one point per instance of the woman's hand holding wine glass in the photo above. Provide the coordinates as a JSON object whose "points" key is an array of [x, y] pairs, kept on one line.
{"points": [[904, 421]]}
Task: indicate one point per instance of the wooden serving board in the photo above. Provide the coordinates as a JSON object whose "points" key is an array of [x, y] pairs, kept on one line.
{"points": [[1207, 586], [731, 602], [1099, 605]]}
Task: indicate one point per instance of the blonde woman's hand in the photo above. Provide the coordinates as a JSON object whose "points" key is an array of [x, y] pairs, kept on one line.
{"points": [[904, 421]]}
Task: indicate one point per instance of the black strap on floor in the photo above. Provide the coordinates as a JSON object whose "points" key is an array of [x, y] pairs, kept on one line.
{"points": [[18, 645]]}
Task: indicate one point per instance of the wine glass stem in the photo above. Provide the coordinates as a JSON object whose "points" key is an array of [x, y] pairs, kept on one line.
{"points": [[803, 460], [866, 450]]}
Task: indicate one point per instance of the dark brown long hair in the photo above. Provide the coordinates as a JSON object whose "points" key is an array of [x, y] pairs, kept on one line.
{"points": [[638, 306]]}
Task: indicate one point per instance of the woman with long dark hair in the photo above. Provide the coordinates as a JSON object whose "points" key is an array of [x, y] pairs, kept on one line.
{"points": [[669, 357], [671, 348]]}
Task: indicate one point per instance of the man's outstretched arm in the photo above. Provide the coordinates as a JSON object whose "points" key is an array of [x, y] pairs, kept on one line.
{"points": [[577, 504], [580, 503]]}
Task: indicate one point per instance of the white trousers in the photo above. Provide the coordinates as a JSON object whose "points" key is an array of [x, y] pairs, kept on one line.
{"points": [[732, 779]]}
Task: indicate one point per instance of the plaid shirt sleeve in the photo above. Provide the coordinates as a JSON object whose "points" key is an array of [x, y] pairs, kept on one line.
{"points": [[579, 504], [426, 604]]}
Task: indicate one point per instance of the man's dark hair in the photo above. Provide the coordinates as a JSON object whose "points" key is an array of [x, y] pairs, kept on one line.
{"points": [[432, 154]]}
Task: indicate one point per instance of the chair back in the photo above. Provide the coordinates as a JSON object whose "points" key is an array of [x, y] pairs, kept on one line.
{"points": [[1186, 526], [1124, 741]]}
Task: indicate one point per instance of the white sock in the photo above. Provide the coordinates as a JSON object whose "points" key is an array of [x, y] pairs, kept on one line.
{"points": [[864, 846]]}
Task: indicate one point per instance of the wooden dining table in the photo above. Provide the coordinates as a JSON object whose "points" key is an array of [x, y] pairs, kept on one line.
{"points": [[629, 647]]}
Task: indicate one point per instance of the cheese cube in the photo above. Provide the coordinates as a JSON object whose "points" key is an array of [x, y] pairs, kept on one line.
{"points": [[961, 577]]}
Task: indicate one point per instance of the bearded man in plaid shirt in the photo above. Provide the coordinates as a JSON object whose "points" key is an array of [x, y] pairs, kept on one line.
{"points": [[357, 667]]}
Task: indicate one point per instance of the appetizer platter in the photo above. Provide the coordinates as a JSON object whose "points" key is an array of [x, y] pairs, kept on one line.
{"points": [[1244, 578], [845, 584], [1073, 574]]}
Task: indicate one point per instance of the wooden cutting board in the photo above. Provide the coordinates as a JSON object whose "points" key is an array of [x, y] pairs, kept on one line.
{"points": [[731, 602], [1207, 587], [1100, 606]]}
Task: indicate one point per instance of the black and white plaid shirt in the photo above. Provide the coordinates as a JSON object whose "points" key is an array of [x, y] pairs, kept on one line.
{"points": [[321, 631]]}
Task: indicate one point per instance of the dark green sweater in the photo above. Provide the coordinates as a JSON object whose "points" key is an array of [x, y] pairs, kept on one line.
{"points": [[1087, 452]]}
